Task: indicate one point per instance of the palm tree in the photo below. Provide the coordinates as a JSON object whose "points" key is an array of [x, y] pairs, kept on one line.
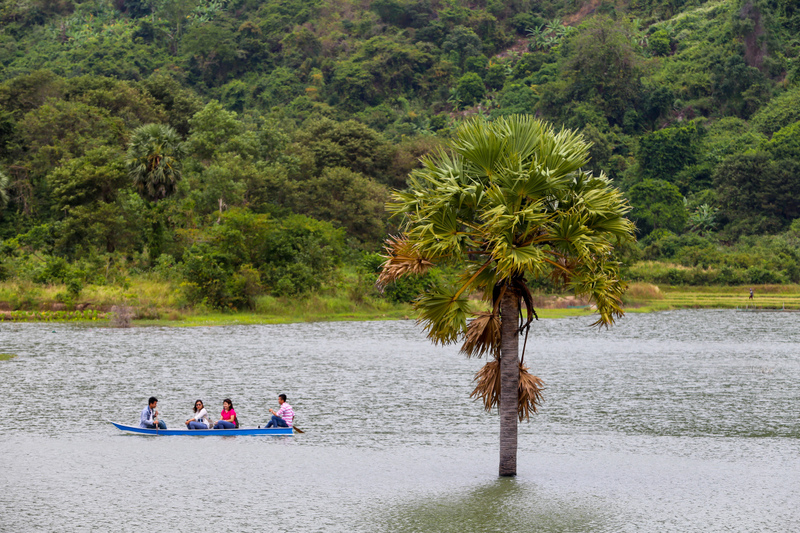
{"points": [[154, 164], [4, 184], [507, 203], [154, 161]]}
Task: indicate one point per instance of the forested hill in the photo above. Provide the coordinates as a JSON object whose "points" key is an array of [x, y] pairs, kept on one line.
{"points": [[253, 142]]}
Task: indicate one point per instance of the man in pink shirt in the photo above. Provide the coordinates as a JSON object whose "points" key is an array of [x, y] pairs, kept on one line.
{"points": [[284, 417]]}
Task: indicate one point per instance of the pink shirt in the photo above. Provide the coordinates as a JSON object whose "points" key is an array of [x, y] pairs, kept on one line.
{"points": [[228, 415], [286, 412]]}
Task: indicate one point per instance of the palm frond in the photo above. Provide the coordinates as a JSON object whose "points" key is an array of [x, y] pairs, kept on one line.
{"points": [[530, 390], [401, 258], [483, 335], [443, 314], [603, 286], [530, 393], [479, 143]]}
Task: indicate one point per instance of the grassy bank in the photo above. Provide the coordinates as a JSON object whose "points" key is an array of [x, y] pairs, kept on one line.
{"points": [[160, 303], [645, 297], [154, 302]]}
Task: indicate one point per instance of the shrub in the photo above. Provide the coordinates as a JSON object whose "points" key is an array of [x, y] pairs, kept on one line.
{"points": [[471, 88], [406, 289], [643, 291], [206, 273], [758, 276], [243, 287], [659, 43]]}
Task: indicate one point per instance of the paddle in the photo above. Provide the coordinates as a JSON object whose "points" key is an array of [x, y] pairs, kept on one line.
{"points": [[297, 429]]}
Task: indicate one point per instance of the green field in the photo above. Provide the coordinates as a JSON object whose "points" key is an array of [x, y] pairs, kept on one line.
{"points": [[666, 297]]}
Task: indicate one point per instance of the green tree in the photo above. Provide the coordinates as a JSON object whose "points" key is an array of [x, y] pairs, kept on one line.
{"points": [[603, 63], [757, 194], [470, 88], [4, 185], [664, 153], [507, 204], [785, 144], [212, 129], [154, 161], [154, 165], [95, 176], [659, 43], [462, 43], [657, 204], [495, 77], [703, 220], [345, 144], [345, 198], [781, 111], [179, 102]]}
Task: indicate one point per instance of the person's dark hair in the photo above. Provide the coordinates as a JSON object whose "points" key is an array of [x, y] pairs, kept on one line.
{"points": [[282, 397], [151, 400], [228, 400], [195, 405]]}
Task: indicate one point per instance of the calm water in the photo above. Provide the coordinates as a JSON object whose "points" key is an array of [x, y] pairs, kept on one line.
{"points": [[677, 421]]}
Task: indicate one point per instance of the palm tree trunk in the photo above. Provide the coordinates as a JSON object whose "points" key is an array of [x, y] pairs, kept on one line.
{"points": [[509, 383]]}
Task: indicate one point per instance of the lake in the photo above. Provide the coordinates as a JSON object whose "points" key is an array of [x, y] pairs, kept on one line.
{"points": [[673, 421]]}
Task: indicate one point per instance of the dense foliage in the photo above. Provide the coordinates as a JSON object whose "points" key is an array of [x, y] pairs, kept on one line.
{"points": [[249, 147]]}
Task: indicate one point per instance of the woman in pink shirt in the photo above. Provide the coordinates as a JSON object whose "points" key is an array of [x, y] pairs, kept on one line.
{"points": [[227, 416]]}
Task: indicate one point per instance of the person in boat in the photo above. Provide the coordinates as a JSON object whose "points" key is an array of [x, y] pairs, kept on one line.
{"points": [[149, 417], [284, 417], [200, 419], [227, 416]]}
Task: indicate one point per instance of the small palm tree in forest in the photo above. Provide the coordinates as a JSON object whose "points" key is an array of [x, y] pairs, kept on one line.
{"points": [[154, 164], [4, 184], [154, 161], [507, 203]]}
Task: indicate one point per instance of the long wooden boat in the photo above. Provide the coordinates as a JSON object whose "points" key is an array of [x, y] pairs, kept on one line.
{"points": [[202, 432]]}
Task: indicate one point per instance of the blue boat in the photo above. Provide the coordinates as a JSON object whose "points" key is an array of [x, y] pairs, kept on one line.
{"points": [[204, 432]]}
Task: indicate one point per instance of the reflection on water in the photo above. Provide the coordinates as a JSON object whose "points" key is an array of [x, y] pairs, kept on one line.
{"points": [[500, 505], [677, 421]]}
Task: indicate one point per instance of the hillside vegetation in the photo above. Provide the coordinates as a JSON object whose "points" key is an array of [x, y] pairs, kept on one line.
{"points": [[236, 149]]}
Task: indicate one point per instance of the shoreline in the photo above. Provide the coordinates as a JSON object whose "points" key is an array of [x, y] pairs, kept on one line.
{"points": [[641, 298]]}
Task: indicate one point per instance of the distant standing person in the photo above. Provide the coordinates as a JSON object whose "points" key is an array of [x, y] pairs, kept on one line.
{"points": [[149, 418], [200, 419], [751, 294], [284, 417]]}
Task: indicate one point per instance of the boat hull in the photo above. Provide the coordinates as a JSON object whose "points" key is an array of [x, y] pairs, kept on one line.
{"points": [[204, 432]]}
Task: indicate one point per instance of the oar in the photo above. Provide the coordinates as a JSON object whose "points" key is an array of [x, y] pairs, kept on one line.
{"points": [[297, 429]]}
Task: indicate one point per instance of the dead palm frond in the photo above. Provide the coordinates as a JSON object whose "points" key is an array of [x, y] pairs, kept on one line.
{"points": [[483, 335], [488, 385], [401, 259], [488, 389], [530, 393]]}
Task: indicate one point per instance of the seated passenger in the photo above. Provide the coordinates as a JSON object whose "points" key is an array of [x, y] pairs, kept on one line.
{"points": [[149, 417], [200, 419], [284, 416], [228, 418]]}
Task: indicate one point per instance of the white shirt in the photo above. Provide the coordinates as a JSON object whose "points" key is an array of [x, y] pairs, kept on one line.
{"points": [[202, 416]]}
